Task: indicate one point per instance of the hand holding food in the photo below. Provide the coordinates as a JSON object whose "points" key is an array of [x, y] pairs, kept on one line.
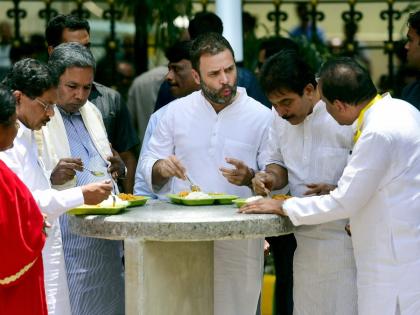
{"points": [[94, 193], [262, 182], [65, 170], [169, 167]]}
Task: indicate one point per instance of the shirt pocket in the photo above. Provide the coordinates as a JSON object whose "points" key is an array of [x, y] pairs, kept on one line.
{"points": [[331, 163], [245, 152]]}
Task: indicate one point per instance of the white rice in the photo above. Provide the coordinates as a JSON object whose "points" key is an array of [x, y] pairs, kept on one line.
{"points": [[253, 198], [197, 195], [109, 202]]}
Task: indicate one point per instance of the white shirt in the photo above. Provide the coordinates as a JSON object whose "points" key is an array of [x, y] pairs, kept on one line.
{"points": [[379, 192], [201, 139], [23, 160], [316, 151]]}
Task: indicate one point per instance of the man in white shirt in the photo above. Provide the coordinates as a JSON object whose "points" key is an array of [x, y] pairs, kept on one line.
{"points": [[309, 150], [203, 135], [378, 190], [35, 91]]}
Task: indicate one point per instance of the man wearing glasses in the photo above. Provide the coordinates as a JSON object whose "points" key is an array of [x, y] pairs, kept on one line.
{"points": [[34, 89]]}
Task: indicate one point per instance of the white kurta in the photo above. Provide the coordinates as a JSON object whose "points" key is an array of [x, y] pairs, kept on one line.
{"points": [[23, 160], [324, 272], [201, 139], [379, 192]]}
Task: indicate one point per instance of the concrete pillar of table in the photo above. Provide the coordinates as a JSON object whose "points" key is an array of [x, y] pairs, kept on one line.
{"points": [[168, 277], [231, 14]]}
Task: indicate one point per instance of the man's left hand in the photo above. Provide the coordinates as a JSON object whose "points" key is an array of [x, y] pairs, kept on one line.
{"points": [[241, 175], [117, 167], [265, 205]]}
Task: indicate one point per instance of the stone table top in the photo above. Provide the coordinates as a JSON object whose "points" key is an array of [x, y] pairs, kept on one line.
{"points": [[164, 221]]}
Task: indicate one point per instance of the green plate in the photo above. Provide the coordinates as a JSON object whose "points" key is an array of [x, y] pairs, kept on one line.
{"points": [[223, 199], [86, 209], [239, 202], [190, 202], [140, 201], [215, 199]]}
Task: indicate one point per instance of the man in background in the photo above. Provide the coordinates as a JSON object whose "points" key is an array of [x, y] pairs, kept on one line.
{"points": [[411, 93], [142, 97]]}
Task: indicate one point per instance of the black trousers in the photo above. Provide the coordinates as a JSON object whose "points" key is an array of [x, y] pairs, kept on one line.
{"points": [[283, 248]]}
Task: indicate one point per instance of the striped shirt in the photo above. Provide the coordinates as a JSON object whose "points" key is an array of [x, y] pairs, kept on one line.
{"points": [[93, 265]]}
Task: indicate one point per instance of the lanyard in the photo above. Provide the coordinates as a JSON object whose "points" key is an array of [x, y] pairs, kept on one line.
{"points": [[361, 116]]}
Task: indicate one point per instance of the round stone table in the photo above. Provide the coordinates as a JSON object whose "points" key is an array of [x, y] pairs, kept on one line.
{"points": [[168, 251]]}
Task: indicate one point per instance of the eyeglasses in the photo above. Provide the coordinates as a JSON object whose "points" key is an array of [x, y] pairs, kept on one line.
{"points": [[46, 106]]}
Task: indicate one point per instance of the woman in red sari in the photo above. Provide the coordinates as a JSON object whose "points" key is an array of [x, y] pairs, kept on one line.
{"points": [[21, 231]]}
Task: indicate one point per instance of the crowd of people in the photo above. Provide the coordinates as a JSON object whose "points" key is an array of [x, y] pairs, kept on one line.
{"points": [[348, 156]]}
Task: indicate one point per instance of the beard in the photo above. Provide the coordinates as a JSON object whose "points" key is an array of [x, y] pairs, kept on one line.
{"points": [[217, 96]]}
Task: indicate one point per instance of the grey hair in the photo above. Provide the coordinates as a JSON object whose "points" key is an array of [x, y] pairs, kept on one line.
{"points": [[68, 55]]}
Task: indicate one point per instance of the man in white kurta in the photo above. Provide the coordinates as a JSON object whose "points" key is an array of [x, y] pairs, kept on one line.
{"points": [[378, 191], [309, 150], [198, 134], [324, 272], [23, 159]]}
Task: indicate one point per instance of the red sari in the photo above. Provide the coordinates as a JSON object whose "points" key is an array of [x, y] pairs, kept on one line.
{"points": [[22, 289]]}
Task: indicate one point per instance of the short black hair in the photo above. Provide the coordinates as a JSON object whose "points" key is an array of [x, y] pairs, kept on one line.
{"points": [[273, 45], [414, 21], [56, 26], [345, 80], [287, 71], [31, 77], [208, 43], [178, 51], [205, 22], [7, 105]]}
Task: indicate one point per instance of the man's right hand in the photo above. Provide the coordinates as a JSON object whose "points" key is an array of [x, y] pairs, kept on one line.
{"points": [[262, 182], [95, 193], [167, 168], [65, 170]]}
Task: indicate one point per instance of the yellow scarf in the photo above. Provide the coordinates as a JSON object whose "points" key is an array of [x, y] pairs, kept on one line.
{"points": [[361, 116]]}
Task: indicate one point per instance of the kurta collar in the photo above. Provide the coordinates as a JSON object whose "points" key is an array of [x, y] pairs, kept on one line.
{"points": [[367, 113], [23, 131], [315, 110], [64, 113]]}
